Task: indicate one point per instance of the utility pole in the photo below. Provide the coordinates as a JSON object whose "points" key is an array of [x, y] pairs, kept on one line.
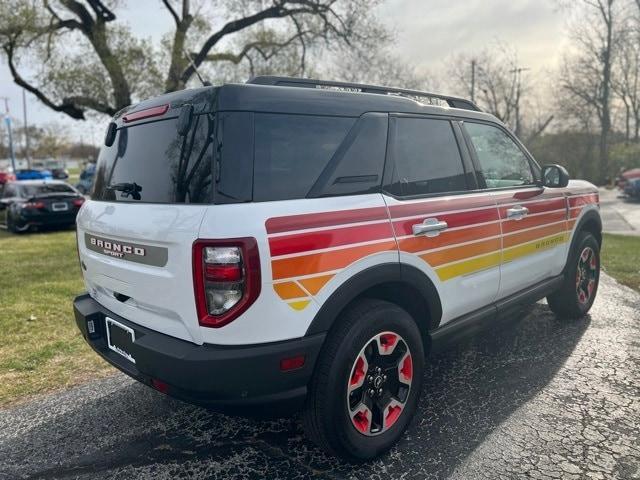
{"points": [[7, 119], [518, 81], [26, 129], [473, 80]]}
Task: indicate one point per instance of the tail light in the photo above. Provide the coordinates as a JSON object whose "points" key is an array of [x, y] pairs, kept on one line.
{"points": [[226, 279], [78, 202], [33, 205]]}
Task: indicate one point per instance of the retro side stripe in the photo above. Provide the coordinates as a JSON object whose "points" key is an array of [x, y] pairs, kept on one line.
{"points": [[307, 250]]}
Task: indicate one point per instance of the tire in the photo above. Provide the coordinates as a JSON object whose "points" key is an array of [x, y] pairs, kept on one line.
{"points": [[13, 228], [371, 333], [582, 276]]}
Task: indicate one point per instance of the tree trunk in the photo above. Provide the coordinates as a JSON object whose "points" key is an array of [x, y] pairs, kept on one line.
{"points": [[178, 60], [121, 91], [606, 94]]}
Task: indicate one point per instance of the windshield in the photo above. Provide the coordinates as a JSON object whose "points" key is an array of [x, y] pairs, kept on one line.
{"points": [[45, 189], [163, 165]]}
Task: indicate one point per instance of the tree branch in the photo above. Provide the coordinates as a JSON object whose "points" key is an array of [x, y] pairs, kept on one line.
{"points": [[259, 46], [276, 11], [172, 11], [65, 107]]}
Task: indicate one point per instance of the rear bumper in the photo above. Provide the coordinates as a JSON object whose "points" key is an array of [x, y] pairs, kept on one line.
{"points": [[215, 376], [49, 218]]}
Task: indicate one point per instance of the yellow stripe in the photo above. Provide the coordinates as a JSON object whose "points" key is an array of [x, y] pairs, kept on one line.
{"points": [[535, 246], [467, 266], [299, 305]]}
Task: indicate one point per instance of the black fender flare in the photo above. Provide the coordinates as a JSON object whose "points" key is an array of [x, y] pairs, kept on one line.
{"points": [[591, 216], [372, 277]]}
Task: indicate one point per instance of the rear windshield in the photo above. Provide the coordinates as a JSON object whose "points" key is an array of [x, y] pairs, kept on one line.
{"points": [[34, 190], [165, 166]]}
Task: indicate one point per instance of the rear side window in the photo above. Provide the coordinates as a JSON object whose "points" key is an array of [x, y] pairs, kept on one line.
{"points": [[426, 157], [357, 166], [291, 151], [502, 163], [169, 167]]}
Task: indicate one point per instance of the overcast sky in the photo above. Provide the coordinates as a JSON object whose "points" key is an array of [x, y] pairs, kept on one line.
{"points": [[428, 33]]}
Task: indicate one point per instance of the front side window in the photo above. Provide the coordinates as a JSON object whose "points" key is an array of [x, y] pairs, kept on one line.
{"points": [[502, 162], [426, 158]]}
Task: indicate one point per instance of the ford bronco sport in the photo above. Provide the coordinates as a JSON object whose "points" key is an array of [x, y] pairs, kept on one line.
{"points": [[305, 243]]}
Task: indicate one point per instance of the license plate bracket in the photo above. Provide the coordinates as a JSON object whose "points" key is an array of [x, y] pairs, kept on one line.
{"points": [[60, 207], [120, 338]]}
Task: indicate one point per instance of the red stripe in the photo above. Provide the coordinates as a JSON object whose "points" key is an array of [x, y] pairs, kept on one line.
{"points": [[583, 200], [325, 219], [463, 219], [303, 242], [509, 226], [538, 207], [436, 206], [527, 195]]}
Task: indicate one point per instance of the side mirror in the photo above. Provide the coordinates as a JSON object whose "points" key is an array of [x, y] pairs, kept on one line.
{"points": [[554, 176]]}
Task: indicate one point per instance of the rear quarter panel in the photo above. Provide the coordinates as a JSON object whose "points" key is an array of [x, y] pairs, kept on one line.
{"points": [[308, 248]]}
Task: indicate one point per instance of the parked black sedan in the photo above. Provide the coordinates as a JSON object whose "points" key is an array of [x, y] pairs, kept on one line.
{"points": [[36, 203]]}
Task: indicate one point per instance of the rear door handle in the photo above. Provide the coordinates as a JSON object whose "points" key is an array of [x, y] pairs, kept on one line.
{"points": [[431, 227], [518, 212]]}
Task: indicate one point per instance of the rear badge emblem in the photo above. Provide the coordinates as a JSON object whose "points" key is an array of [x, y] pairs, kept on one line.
{"points": [[133, 252]]}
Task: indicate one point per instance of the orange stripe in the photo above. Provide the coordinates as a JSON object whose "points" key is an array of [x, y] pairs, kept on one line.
{"points": [[288, 290], [325, 261], [454, 254], [315, 284], [522, 237], [528, 222], [419, 244]]}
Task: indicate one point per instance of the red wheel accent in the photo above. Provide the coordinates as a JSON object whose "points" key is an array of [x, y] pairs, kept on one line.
{"points": [[592, 264], [362, 420], [387, 343], [359, 372], [407, 368], [582, 297], [393, 413]]}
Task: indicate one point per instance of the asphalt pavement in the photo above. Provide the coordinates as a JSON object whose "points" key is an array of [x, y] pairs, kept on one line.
{"points": [[620, 214], [534, 397]]}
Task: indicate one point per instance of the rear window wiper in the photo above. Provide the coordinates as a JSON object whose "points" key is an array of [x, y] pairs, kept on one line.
{"points": [[128, 189]]}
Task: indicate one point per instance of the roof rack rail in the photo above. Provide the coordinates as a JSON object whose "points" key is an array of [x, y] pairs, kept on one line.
{"points": [[453, 102]]}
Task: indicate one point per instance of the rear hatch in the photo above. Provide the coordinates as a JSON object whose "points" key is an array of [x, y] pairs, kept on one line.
{"points": [[152, 186]]}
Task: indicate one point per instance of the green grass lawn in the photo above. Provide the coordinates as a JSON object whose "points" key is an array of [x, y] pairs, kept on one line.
{"points": [[40, 347], [74, 175], [621, 259]]}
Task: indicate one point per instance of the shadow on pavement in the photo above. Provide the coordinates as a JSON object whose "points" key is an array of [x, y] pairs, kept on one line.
{"points": [[136, 432]]}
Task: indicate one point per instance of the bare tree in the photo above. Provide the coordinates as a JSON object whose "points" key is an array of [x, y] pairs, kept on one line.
{"points": [[499, 84], [586, 77], [626, 77], [92, 63], [488, 77]]}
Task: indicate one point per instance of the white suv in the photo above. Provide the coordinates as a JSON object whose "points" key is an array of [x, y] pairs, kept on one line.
{"points": [[304, 243]]}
